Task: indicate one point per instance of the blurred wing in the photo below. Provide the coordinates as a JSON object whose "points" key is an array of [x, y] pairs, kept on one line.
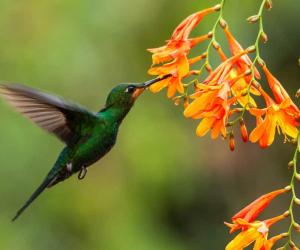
{"points": [[55, 115]]}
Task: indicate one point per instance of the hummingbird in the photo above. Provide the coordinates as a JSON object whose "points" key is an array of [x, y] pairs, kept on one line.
{"points": [[88, 136]]}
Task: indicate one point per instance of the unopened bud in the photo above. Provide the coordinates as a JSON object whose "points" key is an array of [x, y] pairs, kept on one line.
{"points": [[216, 45], [185, 103], [264, 37], [256, 84], [248, 72], [292, 245], [208, 68], [298, 93], [231, 142], [288, 188], [296, 226], [251, 49], [223, 23], [268, 4], [297, 176], [217, 7], [286, 213], [177, 101], [297, 201], [210, 34], [290, 164], [261, 62], [244, 132], [253, 19]]}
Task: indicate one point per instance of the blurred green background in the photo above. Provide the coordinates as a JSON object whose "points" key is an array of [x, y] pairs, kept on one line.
{"points": [[161, 187]]}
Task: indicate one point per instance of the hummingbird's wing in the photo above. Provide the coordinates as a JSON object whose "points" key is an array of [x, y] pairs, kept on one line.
{"points": [[64, 119]]}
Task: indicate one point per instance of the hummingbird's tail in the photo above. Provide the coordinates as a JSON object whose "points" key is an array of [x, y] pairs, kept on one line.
{"points": [[36, 193]]}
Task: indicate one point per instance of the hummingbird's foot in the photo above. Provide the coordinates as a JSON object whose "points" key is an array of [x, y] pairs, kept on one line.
{"points": [[82, 173]]}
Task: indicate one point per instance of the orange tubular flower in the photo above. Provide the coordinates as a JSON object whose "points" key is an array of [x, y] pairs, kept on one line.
{"points": [[212, 100], [250, 212], [283, 115], [180, 44], [235, 48], [255, 232], [178, 69], [211, 104], [175, 52]]}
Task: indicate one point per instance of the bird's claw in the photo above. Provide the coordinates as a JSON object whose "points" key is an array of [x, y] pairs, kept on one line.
{"points": [[82, 173]]}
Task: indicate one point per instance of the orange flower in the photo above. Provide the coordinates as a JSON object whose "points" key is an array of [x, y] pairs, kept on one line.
{"points": [[235, 48], [284, 116], [180, 44], [255, 232], [250, 212], [175, 49], [212, 100], [212, 104], [178, 69], [175, 52]]}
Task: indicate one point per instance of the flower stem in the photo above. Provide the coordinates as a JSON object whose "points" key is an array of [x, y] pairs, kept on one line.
{"points": [[294, 199]]}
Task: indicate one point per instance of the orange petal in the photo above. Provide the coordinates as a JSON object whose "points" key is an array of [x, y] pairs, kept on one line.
{"points": [[205, 126], [250, 212]]}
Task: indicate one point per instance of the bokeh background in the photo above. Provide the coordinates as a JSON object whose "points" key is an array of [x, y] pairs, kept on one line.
{"points": [[161, 187]]}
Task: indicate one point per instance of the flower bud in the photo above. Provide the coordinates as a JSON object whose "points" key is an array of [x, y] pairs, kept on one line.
{"points": [[261, 62], [251, 49], [290, 164], [297, 201], [223, 23], [217, 7], [296, 226], [244, 132], [185, 103], [208, 68], [177, 101], [292, 245], [253, 19], [216, 45], [268, 4], [298, 93], [231, 142], [263, 37], [288, 188], [210, 34]]}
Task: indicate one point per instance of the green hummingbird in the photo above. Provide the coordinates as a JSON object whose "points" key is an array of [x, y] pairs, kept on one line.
{"points": [[88, 135]]}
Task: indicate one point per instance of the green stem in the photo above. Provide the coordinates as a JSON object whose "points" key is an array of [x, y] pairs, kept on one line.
{"points": [[213, 31], [294, 198]]}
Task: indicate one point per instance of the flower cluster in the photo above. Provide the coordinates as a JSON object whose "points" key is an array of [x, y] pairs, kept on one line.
{"points": [[253, 230], [221, 99], [240, 84]]}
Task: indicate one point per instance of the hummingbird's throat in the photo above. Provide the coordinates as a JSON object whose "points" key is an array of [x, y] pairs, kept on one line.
{"points": [[137, 93]]}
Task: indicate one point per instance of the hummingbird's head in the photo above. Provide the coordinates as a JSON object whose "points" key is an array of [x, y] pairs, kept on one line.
{"points": [[124, 95]]}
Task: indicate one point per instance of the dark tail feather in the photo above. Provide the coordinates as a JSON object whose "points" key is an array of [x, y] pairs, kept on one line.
{"points": [[36, 193]]}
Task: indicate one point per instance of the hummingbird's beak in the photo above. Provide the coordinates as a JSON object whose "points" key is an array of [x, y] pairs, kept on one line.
{"points": [[142, 86], [147, 84]]}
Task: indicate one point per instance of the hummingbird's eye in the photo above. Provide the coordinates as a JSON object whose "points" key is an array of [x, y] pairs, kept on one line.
{"points": [[130, 89]]}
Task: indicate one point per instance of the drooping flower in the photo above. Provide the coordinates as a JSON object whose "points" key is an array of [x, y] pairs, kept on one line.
{"points": [[255, 232], [282, 116], [212, 100], [235, 48], [180, 44], [251, 211], [212, 104], [174, 54], [178, 69]]}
